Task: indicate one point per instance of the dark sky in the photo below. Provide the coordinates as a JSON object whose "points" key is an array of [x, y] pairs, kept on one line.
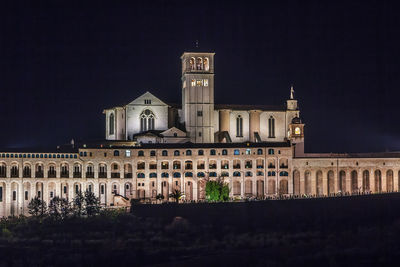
{"points": [[61, 64]]}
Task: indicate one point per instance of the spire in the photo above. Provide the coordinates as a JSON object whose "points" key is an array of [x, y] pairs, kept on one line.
{"points": [[291, 92]]}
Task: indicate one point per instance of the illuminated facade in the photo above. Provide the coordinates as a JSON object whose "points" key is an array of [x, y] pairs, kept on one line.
{"points": [[153, 148]]}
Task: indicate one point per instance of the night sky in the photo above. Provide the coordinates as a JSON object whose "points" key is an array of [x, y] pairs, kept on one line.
{"points": [[62, 64]]}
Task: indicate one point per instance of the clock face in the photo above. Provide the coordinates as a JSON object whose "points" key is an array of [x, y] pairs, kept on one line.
{"points": [[297, 131]]}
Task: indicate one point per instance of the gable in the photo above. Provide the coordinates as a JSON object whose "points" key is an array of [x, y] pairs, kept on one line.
{"points": [[140, 101], [170, 132]]}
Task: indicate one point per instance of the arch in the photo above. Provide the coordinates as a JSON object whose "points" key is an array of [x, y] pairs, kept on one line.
{"points": [[283, 187], [224, 164], [200, 174], [128, 190], [283, 163], [236, 174], [199, 63], [111, 124], [164, 153], [249, 174], [331, 182], [188, 174], [206, 64], [319, 186], [127, 170], [27, 171], [296, 182], [165, 189], [260, 188], [141, 165], [77, 188], [115, 188], [192, 63], [271, 187], [51, 188], [259, 151], [307, 182], [389, 181], [236, 188], [342, 181], [176, 175], [378, 181], [52, 173], [188, 152], [365, 181], [271, 127], [354, 181], [141, 175], [153, 175], [176, 165], [3, 170], [248, 188], [176, 153], [212, 164], [14, 170], [64, 170], [236, 164], [188, 165], [165, 175], [224, 152], [147, 120], [189, 190], [116, 153], [239, 126]]}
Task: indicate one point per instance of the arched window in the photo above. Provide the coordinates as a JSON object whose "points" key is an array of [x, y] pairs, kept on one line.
{"points": [[270, 151], [259, 151], [140, 153], [177, 175], [236, 174], [188, 152], [165, 153], [249, 174], [199, 63], [200, 152], [153, 175], [236, 152], [271, 127], [213, 152], [146, 120], [224, 152], [116, 153], [140, 175], [188, 174], [176, 153], [164, 175], [239, 126], [212, 174], [206, 64], [283, 173], [111, 124]]}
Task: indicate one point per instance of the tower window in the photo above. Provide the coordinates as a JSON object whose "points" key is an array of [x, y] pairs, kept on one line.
{"points": [[199, 134], [239, 126], [199, 63], [193, 82], [297, 131], [271, 127], [111, 124], [200, 113], [205, 81], [192, 64], [206, 64], [199, 82]]}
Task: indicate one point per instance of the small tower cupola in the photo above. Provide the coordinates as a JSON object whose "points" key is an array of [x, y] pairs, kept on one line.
{"points": [[291, 104]]}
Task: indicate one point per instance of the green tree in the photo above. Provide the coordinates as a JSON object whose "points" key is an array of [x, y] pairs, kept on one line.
{"points": [[176, 194], [217, 190], [37, 207], [59, 208], [79, 204], [92, 204]]}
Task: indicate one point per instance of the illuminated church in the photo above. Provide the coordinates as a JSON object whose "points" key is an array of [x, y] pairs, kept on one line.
{"points": [[152, 148]]}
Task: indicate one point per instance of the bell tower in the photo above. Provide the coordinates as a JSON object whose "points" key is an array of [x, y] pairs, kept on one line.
{"points": [[198, 96]]}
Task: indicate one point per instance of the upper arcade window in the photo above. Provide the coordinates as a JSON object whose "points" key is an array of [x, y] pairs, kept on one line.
{"points": [[297, 131]]}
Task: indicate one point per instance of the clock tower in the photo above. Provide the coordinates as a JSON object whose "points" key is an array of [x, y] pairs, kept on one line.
{"points": [[198, 96]]}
